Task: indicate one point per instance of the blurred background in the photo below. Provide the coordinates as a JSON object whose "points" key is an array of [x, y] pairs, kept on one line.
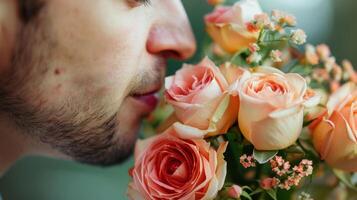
{"points": [[34, 178]]}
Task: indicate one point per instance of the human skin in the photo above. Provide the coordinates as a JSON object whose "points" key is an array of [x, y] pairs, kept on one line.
{"points": [[77, 77]]}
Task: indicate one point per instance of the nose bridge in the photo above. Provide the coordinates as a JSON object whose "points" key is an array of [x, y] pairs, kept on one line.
{"points": [[172, 31]]}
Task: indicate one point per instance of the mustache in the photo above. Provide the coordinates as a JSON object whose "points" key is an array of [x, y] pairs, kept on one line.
{"points": [[149, 79]]}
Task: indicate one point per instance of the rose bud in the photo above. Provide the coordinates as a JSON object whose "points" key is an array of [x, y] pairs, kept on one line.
{"points": [[229, 26], [234, 191]]}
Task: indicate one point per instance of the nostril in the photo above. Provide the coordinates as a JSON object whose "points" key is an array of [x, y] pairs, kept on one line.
{"points": [[171, 54]]}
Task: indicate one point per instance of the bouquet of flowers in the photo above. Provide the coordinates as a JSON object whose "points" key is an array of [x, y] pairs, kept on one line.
{"points": [[258, 118]]}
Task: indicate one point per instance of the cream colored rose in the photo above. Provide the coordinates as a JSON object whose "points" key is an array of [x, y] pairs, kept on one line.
{"points": [[335, 134], [228, 25], [271, 107]]}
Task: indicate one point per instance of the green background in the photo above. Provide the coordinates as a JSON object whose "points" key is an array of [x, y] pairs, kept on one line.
{"points": [[36, 178]]}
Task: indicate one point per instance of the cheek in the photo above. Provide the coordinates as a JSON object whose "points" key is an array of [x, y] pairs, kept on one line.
{"points": [[97, 53]]}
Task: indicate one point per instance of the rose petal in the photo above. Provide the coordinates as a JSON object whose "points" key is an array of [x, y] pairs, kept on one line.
{"points": [[188, 132], [277, 133], [299, 85], [342, 95], [322, 136], [343, 158]]}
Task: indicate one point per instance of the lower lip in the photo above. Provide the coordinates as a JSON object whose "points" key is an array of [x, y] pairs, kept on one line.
{"points": [[150, 101]]}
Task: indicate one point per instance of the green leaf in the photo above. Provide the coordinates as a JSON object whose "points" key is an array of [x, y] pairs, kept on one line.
{"points": [[272, 194], [246, 195], [257, 191], [247, 188], [263, 157]]}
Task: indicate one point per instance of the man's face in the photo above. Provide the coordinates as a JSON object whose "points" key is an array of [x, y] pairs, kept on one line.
{"points": [[84, 72]]}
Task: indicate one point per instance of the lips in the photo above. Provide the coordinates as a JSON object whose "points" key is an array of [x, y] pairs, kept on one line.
{"points": [[145, 94], [148, 99]]}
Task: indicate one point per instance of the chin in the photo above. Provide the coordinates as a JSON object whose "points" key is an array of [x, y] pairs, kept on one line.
{"points": [[123, 139]]}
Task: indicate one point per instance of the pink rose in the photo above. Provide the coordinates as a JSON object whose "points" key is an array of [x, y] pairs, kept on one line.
{"points": [[167, 167], [228, 26], [271, 107], [200, 97], [335, 134]]}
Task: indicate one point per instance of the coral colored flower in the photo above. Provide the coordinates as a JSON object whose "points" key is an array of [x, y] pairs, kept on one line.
{"points": [[329, 63], [196, 94], [229, 26], [234, 191], [337, 73], [335, 134], [349, 70], [271, 107], [298, 37], [290, 20], [168, 167], [282, 17], [323, 51], [311, 55]]}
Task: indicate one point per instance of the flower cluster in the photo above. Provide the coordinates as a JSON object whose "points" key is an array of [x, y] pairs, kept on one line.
{"points": [[326, 69], [279, 166], [247, 161], [287, 176], [255, 101]]}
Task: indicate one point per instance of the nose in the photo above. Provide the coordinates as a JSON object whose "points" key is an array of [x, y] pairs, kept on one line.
{"points": [[171, 36]]}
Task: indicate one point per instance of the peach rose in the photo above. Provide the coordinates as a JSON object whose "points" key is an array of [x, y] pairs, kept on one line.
{"points": [[335, 134], [228, 25], [167, 167], [271, 107], [200, 97]]}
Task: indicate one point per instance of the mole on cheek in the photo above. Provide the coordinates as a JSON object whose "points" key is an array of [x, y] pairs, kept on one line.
{"points": [[58, 71]]}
